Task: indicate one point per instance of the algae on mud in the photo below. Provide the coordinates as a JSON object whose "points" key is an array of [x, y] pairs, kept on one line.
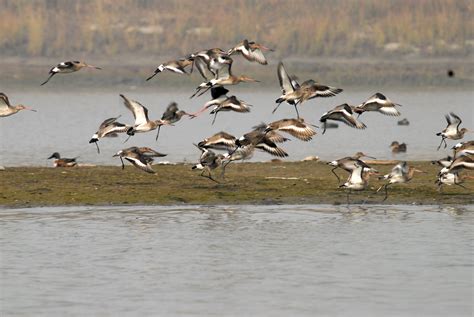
{"points": [[244, 183]]}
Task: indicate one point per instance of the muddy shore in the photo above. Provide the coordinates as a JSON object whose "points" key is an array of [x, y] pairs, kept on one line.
{"points": [[244, 183]]}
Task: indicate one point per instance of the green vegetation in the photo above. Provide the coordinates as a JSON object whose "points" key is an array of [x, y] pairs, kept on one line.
{"points": [[245, 183], [295, 28]]}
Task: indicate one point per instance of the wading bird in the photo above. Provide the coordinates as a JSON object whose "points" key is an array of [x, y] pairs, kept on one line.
{"points": [[358, 178], [349, 163], [109, 129], [175, 66], [67, 67], [294, 93], [252, 51], [140, 157], [401, 173], [344, 114], [379, 103], [142, 122], [452, 130], [63, 162], [171, 116], [208, 161], [6, 109], [463, 148]]}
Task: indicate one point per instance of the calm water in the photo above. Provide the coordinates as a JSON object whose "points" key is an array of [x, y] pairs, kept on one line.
{"points": [[66, 120], [237, 261]]}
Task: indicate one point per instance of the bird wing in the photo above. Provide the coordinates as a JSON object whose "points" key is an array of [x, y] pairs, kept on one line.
{"points": [[4, 102], [270, 147], [276, 137], [140, 112], [297, 129], [201, 65], [141, 163], [317, 90], [218, 91], [286, 83], [457, 120]]}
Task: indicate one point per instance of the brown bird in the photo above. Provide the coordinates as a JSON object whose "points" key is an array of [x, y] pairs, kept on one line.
{"points": [[296, 127], [379, 103], [63, 162], [452, 130], [349, 163], [398, 147], [252, 51], [401, 173], [140, 157], [208, 161], [171, 116], [6, 109], [175, 66], [107, 129], [67, 67], [343, 113]]}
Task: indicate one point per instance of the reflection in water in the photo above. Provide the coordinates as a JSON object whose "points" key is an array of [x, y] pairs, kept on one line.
{"points": [[237, 260]]}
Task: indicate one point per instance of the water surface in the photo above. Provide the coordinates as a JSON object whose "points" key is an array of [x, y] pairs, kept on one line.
{"points": [[66, 120], [237, 261]]}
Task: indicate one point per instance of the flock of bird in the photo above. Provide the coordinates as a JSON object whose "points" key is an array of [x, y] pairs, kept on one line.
{"points": [[215, 66]]}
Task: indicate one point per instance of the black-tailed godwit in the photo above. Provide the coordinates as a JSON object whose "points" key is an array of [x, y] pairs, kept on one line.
{"points": [[140, 157], [452, 130], [68, 67], [6, 109], [343, 113]]}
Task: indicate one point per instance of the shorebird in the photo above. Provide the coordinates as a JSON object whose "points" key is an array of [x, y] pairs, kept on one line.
{"points": [[294, 93], [401, 173], [463, 148], [379, 103], [450, 179], [209, 61], [462, 162], [295, 127], [171, 116], [224, 77], [6, 109], [452, 130], [175, 66], [67, 67], [63, 162], [349, 163], [140, 113], [252, 51], [140, 157], [344, 114], [219, 141], [208, 161], [107, 129], [398, 147], [444, 162], [221, 102], [358, 178]]}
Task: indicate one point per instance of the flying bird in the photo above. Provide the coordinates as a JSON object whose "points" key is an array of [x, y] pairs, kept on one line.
{"points": [[67, 67], [6, 109], [343, 113], [109, 129], [140, 157], [452, 130]]}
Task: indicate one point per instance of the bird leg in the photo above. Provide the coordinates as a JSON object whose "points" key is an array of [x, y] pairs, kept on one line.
{"points": [[276, 107], [348, 193], [386, 192], [296, 108], [158, 133], [97, 145], [461, 185], [338, 179], [201, 93], [123, 165], [48, 78], [208, 176], [442, 140], [324, 127], [215, 115]]}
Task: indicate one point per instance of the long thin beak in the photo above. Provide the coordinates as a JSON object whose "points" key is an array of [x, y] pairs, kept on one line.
{"points": [[92, 66], [374, 158], [31, 109]]}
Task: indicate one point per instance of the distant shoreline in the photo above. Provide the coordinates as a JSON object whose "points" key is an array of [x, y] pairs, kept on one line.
{"points": [[245, 183], [130, 72]]}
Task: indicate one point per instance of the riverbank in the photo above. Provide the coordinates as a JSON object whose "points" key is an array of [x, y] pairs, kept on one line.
{"points": [[245, 183]]}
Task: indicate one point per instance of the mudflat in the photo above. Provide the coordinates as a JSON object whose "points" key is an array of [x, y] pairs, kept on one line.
{"points": [[244, 183]]}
